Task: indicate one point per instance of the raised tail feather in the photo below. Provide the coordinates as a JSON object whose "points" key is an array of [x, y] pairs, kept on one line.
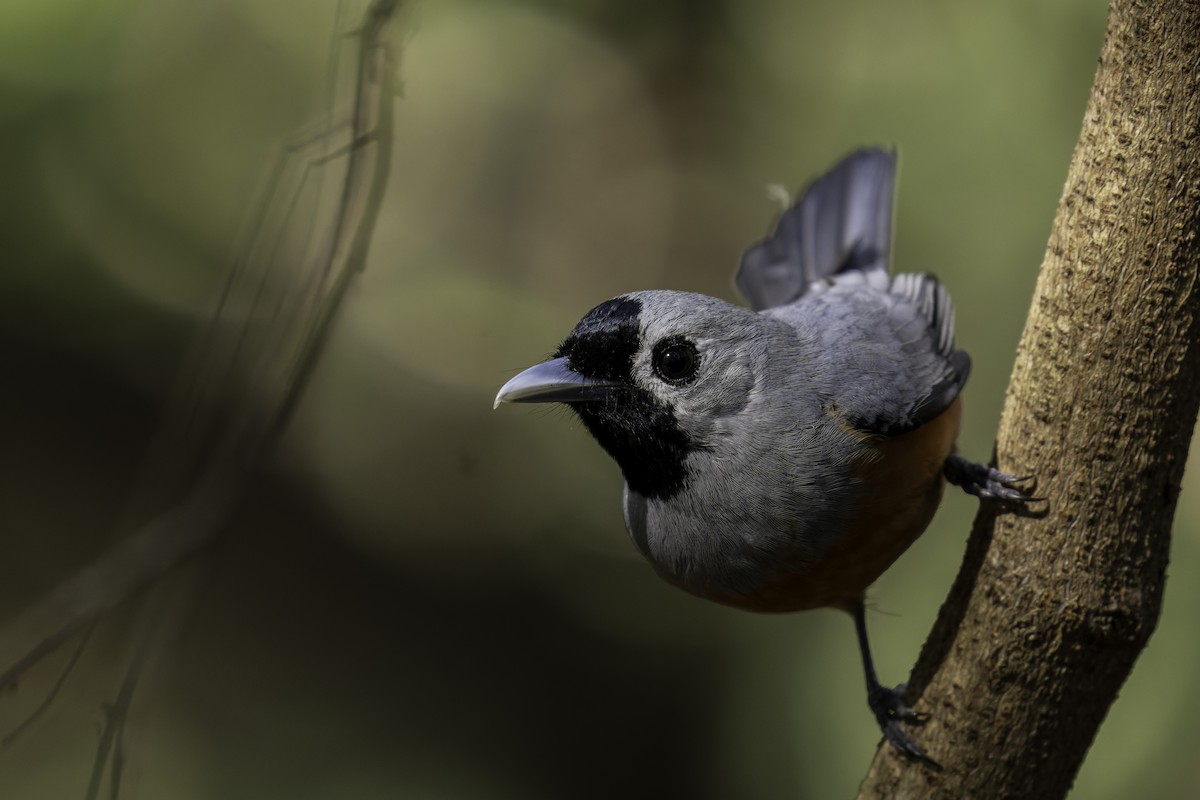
{"points": [[842, 222]]}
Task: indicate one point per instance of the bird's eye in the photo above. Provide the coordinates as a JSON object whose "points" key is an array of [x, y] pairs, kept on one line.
{"points": [[676, 360]]}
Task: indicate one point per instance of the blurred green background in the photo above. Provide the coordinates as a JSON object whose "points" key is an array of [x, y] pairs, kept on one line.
{"points": [[424, 598]]}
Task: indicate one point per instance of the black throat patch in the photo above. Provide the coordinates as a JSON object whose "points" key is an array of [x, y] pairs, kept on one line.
{"points": [[639, 431]]}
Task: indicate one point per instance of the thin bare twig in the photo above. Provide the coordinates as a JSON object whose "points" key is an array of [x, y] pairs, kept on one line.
{"points": [[246, 373], [25, 724]]}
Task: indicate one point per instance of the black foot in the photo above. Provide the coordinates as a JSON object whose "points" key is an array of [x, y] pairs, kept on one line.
{"points": [[890, 710], [986, 482]]}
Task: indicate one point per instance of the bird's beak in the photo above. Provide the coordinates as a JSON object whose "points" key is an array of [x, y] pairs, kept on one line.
{"points": [[552, 382]]}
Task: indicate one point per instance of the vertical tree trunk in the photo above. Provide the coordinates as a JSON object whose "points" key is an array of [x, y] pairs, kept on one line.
{"points": [[1048, 615]]}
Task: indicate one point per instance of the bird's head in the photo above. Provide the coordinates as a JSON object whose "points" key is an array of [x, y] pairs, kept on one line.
{"points": [[656, 377]]}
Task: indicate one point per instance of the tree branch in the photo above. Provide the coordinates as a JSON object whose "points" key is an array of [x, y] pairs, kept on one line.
{"points": [[1047, 616]]}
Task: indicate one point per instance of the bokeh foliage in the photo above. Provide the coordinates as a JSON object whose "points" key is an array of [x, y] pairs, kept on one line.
{"points": [[424, 598]]}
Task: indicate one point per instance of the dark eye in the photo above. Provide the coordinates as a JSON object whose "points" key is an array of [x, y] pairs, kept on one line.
{"points": [[676, 360]]}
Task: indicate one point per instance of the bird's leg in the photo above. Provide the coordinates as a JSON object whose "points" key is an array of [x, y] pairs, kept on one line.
{"points": [[985, 482], [888, 705]]}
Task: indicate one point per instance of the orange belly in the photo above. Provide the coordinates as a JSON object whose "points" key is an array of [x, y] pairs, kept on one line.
{"points": [[901, 482]]}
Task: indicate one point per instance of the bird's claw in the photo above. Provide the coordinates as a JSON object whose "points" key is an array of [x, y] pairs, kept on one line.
{"points": [[988, 483], [890, 710]]}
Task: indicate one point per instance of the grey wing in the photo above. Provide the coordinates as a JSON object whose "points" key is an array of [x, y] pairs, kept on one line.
{"points": [[893, 353], [940, 371], [842, 223]]}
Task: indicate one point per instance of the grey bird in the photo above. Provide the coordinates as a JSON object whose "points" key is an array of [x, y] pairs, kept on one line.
{"points": [[781, 457]]}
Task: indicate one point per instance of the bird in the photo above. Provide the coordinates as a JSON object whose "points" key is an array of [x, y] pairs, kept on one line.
{"points": [[780, 457]]}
